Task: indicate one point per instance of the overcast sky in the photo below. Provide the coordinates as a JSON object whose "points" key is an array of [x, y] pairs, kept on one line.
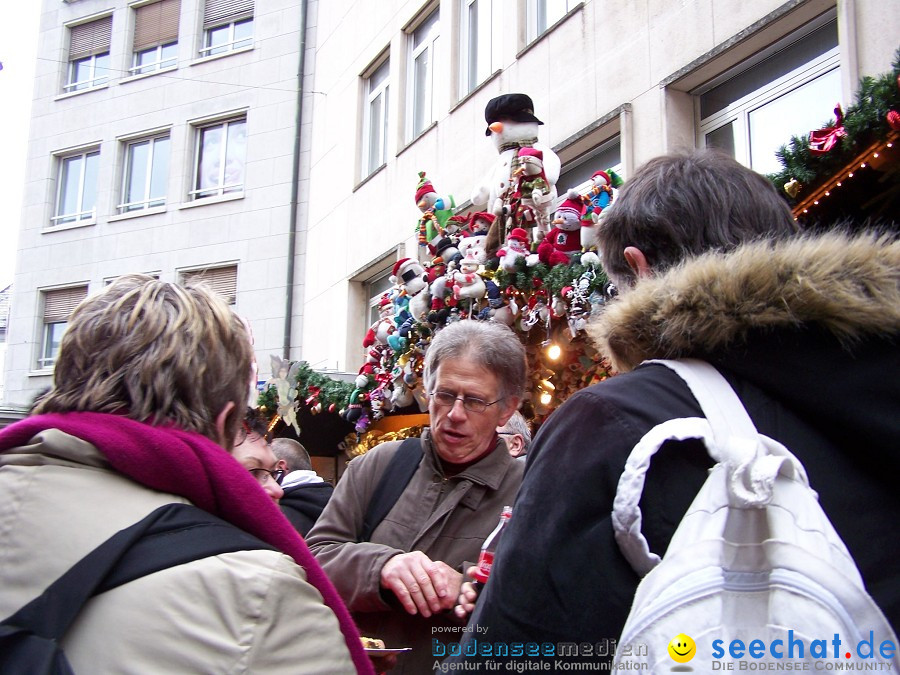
{"points": [[18, 46]]}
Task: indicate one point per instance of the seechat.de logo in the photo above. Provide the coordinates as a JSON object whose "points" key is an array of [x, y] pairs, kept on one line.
{"points": [[682, 648]]}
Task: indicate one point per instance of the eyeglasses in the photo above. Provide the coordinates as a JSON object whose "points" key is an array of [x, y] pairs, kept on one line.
{"points": [[262, 475], [470, 403]]}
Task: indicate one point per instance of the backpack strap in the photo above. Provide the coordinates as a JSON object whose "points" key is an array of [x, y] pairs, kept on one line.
{"points": [[730, 437], [391, 485], [171, 535]]}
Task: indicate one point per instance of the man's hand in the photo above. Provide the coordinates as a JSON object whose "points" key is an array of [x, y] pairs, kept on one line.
{"points": [[468, 595], [423, 586]]}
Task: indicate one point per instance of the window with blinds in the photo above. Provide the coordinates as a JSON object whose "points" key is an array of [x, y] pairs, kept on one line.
{"points": [[58, 306], [222, 280], [227, 26], [155, 36], [89, 54]]}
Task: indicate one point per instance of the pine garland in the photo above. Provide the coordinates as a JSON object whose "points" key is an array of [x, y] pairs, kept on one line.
{"points": [[865, 121]]}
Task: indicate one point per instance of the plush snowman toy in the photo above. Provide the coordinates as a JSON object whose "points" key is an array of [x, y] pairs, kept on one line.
{"points": [[467, 283], [512, 126], [411, 277], [564, 240], [516, 247]]}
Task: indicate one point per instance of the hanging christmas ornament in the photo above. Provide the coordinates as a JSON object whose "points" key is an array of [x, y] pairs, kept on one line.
{"points": [[823, 140], [893, 119], [792, 187]]}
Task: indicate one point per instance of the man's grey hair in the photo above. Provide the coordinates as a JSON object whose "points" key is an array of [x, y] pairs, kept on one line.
{"points": [[293, 453], [492, 346], [517, 424]]}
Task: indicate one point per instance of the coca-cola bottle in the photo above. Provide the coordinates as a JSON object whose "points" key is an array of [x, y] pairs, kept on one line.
{"points": [[486, 558]]}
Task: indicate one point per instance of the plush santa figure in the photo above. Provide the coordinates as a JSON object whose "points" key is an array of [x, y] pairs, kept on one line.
{"points": [[512, 126], [564, 240], [436, 211], [378, 332], [595, 201], [534, 196], [516, 248], [411, 277]]}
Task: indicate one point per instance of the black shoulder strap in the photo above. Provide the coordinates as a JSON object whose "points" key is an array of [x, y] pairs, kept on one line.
{"points": [[171, 535], [393, 482]]}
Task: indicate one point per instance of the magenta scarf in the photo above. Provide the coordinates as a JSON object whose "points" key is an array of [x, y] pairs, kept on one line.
{"points": [[192, 466]]}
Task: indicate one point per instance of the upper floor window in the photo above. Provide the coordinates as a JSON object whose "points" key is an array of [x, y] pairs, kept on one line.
{"points": [[541, 14], [375, 119], [146, 173], [76, 195], [476, 60], [155, 36], [789, 92], [58, 305], [222, 280], [219, 159], [579, 172], [420, 72], [227, 26], [89, 54]]}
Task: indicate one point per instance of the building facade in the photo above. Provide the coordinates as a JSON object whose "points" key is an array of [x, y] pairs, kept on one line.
{"points": [[293, 133]]}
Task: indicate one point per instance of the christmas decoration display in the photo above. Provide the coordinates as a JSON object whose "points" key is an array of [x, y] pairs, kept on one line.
{"points": [[823, 165], [436, 212]]}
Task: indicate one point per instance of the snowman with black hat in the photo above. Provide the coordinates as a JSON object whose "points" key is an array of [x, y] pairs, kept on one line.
{"points": [[512, 125]]}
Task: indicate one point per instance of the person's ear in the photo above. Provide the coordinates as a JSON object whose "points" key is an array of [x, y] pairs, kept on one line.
{"points": [[281, 464], [637, 261], [516, 445], [223, 426]]}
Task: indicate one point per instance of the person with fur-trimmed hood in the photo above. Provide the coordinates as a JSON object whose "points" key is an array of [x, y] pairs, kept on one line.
{"points": [[805, 328]]}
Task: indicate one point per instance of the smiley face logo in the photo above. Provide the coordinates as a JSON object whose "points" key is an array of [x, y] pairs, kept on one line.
{"points": [[682, 648]]}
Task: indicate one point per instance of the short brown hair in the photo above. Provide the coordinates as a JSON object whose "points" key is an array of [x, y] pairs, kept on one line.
{"points": [[155, 352], [681, 205]]}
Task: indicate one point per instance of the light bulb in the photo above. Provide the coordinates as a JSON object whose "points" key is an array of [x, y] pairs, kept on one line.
{"points": [[553, 352], [546, 398]]}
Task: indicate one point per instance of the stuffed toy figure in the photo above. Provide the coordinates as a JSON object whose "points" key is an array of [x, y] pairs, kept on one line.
{"points": [[467, 283], [411, 277], [595, 201], [515, 249], [436, 211], [534, 197], [512, 126], [564, 240], [380, 330]]}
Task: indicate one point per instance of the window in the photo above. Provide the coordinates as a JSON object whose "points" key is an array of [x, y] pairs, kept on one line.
{"points": [[376, 287], [222, 280], [77, 187], [155, 36], [476, 60], [89, 54], [420, 76], [577, 173], [227, 26], [219, 159], [146, 174], [376, 119], [541, 14], [789, 92], [58, 305]]}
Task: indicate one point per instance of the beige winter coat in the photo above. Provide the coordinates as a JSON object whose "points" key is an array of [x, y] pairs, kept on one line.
{"points": [[242, 612]]}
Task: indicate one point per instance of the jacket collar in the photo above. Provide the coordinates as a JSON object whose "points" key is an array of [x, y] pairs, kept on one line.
{"points": [[846, 285]]}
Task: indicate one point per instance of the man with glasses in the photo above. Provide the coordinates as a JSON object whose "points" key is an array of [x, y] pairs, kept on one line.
{"points": [[402, 582], [517, 436], [255, 454]]}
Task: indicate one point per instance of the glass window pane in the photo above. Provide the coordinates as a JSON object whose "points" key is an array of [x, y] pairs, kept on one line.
{"points": [[235, 152], [216, 37], [159, 173], [70, 177], [91, 169], [421, 102], [379, 76], [375, 124], [169, 54], [52, 336], [138, 154], [81, 72], [422, 33], [243, 33], [722, 139], [797, 112], [472, 47], [210, 157], [101, 68]]}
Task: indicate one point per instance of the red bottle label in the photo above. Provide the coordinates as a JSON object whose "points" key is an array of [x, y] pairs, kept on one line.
{"points": [[485, 561]]}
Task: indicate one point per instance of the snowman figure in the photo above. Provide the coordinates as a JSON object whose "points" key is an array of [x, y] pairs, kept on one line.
{"points": [[411, 277], [467, 283], [564, 240], [516, 248], [596, 200], [512, 126]]}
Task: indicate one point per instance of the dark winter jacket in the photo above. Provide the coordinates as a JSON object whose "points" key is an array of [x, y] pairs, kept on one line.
{"points": [[302, 504], [807, 334]]}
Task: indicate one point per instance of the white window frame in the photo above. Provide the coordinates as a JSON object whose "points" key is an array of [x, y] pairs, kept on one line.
{"points": [[540, 15], [232, 44], [47, 358], [738, 112], [377, 94], [94, 80], [483, 59], [430, 31], [221, 188], [147, 202], [80, 215], [159, 64]]}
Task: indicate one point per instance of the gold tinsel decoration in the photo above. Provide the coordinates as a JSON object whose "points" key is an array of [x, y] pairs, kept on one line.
{"points": [[374, 437]]}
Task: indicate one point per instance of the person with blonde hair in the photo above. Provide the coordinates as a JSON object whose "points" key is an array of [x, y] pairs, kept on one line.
{"points": [[150, 389]]}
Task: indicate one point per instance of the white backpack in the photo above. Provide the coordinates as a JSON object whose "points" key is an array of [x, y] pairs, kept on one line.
{"points": [[755, 570]]}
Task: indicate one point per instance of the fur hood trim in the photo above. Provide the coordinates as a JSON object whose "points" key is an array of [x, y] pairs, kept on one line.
{"points": [[846, 284]]}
